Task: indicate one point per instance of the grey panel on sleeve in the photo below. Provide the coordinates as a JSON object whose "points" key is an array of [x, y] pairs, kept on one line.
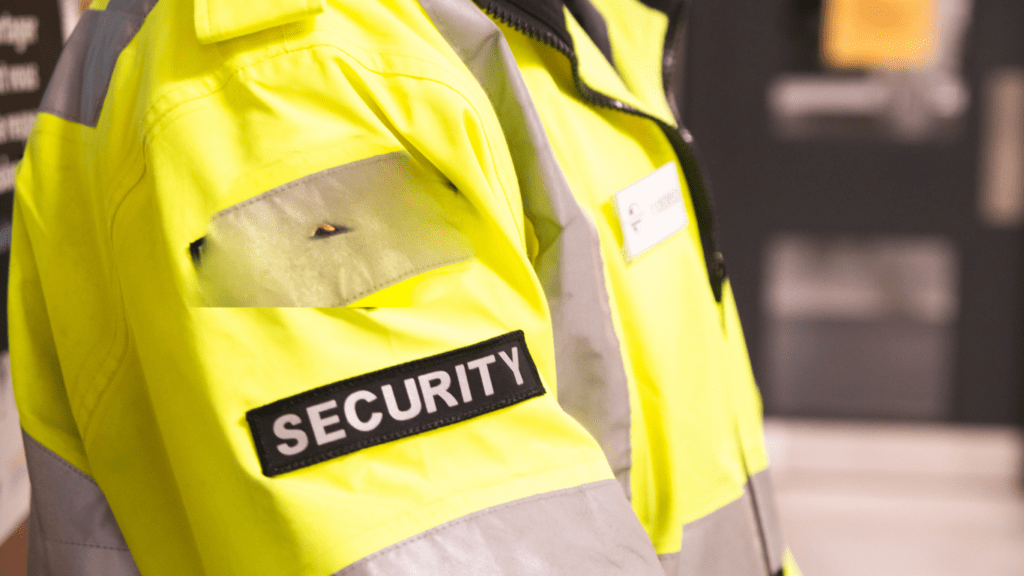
{"points": [[137, 7], [592, 382], [768, 516], [82, 77], [726, 542], [72, 531], [588, 530], [332, 237]]}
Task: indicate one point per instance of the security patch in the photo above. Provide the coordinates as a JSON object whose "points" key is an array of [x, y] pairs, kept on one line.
{"points": [[393, 403]]}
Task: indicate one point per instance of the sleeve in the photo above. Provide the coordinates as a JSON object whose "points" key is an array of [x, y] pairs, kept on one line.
{"points": [[71, 529], [750, 426], [317, 346]]}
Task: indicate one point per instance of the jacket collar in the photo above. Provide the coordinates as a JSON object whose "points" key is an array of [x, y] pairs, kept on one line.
{"points": [[219, 20], [545, 17], [538, 16]]}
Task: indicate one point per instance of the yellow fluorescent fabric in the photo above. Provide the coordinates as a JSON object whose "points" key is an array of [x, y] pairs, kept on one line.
{"points": [[598, 73], [746, 399], [681, 350], [122, 374], [153, 393], [789, 565], [219, 21], [637, 34]]}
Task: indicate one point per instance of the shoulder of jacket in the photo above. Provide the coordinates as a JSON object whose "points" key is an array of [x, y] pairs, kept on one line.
{"points": [[220, 20]]}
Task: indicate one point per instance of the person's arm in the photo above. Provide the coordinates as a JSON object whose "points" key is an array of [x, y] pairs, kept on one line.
{"points": [[283, 320]]}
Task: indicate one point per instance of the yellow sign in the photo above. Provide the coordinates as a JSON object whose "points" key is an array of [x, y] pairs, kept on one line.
{"points": [[879, 33]]}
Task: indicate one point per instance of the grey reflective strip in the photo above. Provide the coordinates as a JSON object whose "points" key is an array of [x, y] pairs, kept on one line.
{"points": [[592, 385], [726, 542], [768, 516], [80, 81], [331, 238], [137, 7], [72, 531], [588, 530]]}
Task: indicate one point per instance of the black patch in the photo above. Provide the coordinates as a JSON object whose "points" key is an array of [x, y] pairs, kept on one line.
{"points": [[376, 408], [195, 250]]}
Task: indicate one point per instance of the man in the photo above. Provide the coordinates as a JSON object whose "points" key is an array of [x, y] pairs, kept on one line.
{"points": [[306, 287]]}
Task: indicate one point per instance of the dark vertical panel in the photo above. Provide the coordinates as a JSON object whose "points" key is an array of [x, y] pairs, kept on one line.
{"points": [[42, 52], [31, 42], [989, 375], [855, 187], [731, 55]]}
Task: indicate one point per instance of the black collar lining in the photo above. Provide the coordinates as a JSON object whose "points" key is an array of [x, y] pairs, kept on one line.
{"points": [[593, 23], [540, 18]]}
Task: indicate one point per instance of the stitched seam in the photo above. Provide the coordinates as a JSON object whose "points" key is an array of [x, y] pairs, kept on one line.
{"points": [[389, 281], [120, 341], [120, 338], [294, 183], [155, 127], [565, 492], [80, 544], [445, 34], [469, 103], [457, 259], [400, 55], [429, 267]]}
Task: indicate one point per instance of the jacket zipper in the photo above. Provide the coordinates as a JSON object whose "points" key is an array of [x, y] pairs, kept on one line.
{"points": [[681, 140]]}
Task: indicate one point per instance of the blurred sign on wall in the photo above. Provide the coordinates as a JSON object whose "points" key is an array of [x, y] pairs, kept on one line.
{"points": [[1001, 166], [32, 33], [30, 41], [816, 162], [14, 487], [861, 326], [879, 33], [888, 69]]}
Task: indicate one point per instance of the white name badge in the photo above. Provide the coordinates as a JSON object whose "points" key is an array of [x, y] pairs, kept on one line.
{"points": [[650, 211]]}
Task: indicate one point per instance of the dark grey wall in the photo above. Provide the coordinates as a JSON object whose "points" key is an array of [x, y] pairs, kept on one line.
{"points": [[764, 185]]}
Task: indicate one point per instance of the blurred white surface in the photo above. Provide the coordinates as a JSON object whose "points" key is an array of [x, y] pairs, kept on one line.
{"points": [[1001, 164], [14, 487], [858, 499]]}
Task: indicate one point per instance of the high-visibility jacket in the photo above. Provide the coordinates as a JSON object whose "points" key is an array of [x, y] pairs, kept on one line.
{"points": [[362, 288]]}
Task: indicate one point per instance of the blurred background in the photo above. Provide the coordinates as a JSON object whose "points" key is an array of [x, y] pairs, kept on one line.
{"points": [[867, 161]]}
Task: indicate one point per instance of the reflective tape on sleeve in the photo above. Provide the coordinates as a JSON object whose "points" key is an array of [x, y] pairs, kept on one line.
{"points": [[592, 382], [768, 516], [82, 77], [588, 530], [332, 237], [72, 531], [741, 538]]}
